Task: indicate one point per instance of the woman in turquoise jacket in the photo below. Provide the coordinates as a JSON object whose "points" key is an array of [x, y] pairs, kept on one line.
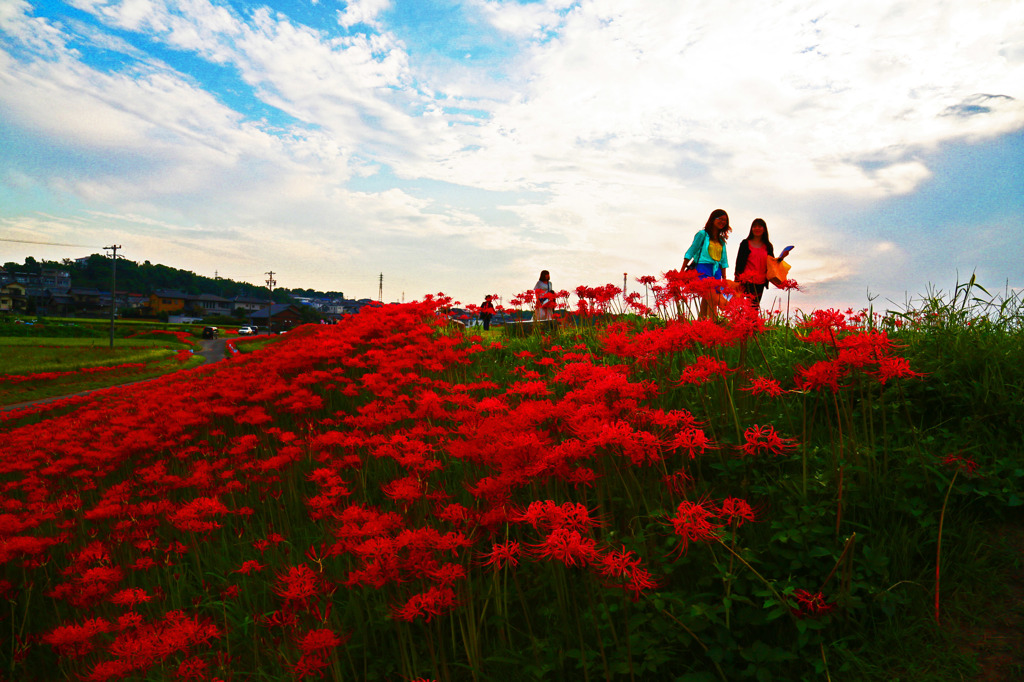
{"points": [[708, 253]]}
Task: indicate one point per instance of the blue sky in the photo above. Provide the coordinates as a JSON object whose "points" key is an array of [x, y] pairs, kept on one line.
{"points": [[461, 146]]}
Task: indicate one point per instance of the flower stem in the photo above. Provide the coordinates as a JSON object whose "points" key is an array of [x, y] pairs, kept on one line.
{"points": [[938, 546]]}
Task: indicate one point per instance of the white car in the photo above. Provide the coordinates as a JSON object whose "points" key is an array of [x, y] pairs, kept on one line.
{"points": [[248, 330]]}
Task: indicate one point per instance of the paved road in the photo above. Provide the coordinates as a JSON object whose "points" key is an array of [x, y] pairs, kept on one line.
{"points": [[211, 349]]}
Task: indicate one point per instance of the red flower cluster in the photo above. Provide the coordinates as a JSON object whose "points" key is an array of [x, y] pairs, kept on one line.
{"points": [[386, 447]]}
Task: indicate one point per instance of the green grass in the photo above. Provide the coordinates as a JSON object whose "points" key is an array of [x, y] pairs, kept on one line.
{"points": [[27, 356], [34, 355], [71, 385], [248, 346]]}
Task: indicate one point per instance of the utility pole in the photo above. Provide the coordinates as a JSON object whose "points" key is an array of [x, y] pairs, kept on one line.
{"points": [[270, 309], [113, 287], [380, 289]]}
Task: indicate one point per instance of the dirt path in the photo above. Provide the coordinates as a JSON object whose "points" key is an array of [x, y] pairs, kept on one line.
{"points": [[999, 642]]}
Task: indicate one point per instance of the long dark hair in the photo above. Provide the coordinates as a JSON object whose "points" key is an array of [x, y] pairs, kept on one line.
{"points": [[764, 237], [715, 215], [545, 276]]}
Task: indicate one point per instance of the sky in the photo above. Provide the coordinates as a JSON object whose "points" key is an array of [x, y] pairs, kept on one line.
{"points": [[418, 147]]}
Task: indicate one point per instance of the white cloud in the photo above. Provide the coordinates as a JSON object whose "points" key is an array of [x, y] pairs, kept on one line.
{"points": [[362, 12], [531, 20]]}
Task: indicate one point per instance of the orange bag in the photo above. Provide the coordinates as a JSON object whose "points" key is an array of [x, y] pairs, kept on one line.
{"points": [[778, 271]]}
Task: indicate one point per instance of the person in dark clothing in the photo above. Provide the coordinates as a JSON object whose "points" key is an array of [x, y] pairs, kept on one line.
{"points": [[752, 260], [486, 311]]}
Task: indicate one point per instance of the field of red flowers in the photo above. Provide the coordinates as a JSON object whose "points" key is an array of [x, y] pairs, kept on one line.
{"points": [[390, 498]]}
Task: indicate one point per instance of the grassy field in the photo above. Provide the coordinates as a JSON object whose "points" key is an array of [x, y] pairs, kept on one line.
{"points": [[30, 355], [35, 368]]}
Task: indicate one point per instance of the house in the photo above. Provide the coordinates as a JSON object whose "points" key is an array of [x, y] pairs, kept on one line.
{"points": [[167, 301], [55, 280], [87, 299], [13, 298], [61, 304], [282, 316], [210, 304], [249, 304]]}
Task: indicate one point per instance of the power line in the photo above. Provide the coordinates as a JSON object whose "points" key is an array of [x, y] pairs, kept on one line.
{"points": [[26, 241]]}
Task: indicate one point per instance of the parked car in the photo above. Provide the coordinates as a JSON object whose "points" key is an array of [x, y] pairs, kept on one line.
{"points": [[210, 332], [248, 330]]}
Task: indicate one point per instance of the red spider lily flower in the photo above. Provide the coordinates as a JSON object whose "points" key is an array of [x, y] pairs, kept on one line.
{"points": [[319, 640], [91, 587], [702, 369], [581, 476], [447, 575], [299, 583], [23, 546], [309, 665], [130, 597], [677, 483], [283, 618], [764, 386], [406, 490], [764, 439], [110, 670], [75, 640], [436, 601], [640, 581], [810, 605], [694, 522], [128, 621], [692, 441], [827, 320], [571, 515], [150, 643], [624, 566], [855, 356], [193, 668], [617, 563], [959, 461], [736, 509], [891, 367], [191, 516], [455, 513], [820, 375], [567, 546], [502, 554]]}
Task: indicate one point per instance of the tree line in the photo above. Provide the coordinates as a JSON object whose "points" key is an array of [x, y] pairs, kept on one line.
{"points": [[146, 277]]}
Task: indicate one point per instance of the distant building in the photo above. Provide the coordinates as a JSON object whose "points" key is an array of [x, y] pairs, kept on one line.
{"points": [[282, 316], [13, 298], [210, 304], [167, 301], [55, 280], [249, 304]]}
